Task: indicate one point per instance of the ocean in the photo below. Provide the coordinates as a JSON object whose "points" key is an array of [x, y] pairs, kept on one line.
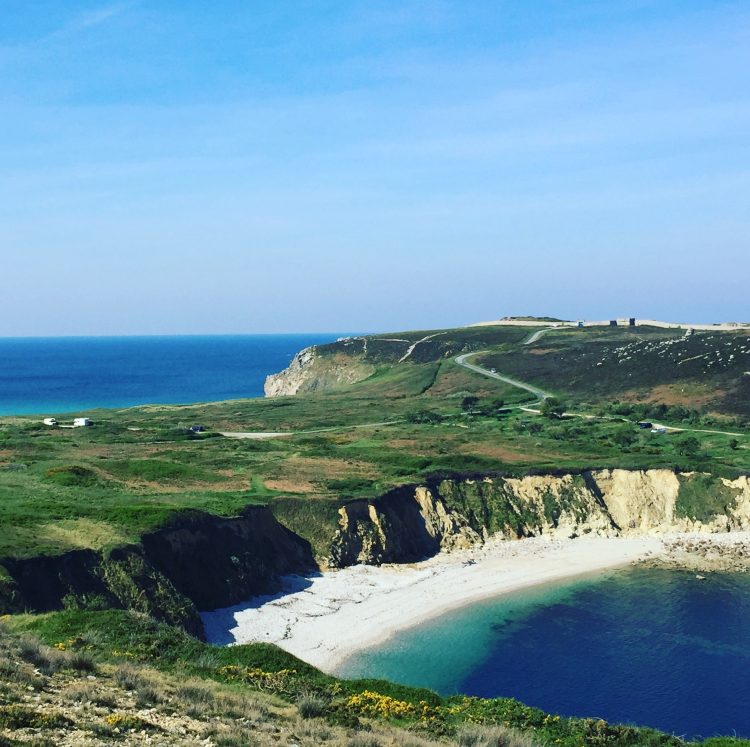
{"points": [[652, 647], [66, 374]]}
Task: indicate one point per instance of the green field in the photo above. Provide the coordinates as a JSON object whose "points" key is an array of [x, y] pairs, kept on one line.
{"points": [[105, 485], [67, 492]]}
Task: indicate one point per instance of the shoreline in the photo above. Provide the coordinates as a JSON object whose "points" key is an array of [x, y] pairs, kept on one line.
{"points": [[327, 617]]}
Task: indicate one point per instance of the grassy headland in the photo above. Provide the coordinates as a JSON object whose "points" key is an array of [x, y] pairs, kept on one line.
{"points": [[104, 486], [414, 414]]}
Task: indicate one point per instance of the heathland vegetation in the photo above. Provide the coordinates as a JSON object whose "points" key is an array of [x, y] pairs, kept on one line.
{"points": [[77, 507], [113, 677]]}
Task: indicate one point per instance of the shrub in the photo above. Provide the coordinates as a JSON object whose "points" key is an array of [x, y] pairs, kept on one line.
{"points": [[552, 407], [427, 417], [89, 692], [147, 695], [129, 678], [80, 661], [364, 740], [11, 672], [21, 717], [44, 658], [491, 736], [311, 705], [469, 402], [232, 736], [72, 475]]}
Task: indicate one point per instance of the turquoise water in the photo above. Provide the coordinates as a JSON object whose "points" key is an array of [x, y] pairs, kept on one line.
{"points": [[646, 646], [56, 375]]}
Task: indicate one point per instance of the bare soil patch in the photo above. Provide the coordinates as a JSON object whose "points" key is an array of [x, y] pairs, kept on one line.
{"points": [[290, 486]]}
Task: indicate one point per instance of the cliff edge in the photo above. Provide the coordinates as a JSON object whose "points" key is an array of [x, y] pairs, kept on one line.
{"points": [[313, 371]]}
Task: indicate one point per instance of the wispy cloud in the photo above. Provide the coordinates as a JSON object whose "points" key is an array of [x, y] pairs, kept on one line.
{"points": [[99, 16], [90, 19]]}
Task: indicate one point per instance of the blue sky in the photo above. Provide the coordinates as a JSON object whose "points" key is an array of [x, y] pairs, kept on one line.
{"points": [[193, 167]]}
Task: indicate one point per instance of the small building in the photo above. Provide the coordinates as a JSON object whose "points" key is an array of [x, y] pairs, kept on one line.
{"points": [[197, 428], [81, 422], [613, 322], [580, 323], [631, 321], [645, 424], [50, 421]]}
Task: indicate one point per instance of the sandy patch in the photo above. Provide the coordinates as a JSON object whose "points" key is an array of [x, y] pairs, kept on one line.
{"points": [[325, 618]]}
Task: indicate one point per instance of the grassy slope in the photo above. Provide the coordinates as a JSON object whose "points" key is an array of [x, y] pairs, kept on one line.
{"points": [[102, 486], [110, 639], [644, 364]]}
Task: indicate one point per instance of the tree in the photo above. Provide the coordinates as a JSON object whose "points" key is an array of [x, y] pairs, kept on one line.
{"points": [[553, 408], [469, 402], [689, 446], [734, 444], [426, 417], [624, 436]]}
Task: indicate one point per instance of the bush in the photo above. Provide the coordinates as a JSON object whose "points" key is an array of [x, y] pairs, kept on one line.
{"points": [[44, 658], [72, 476], [426, 417], [364, 740], [469, 402], [147, 695], [552, 407], [129, 678], [491, 736], [20, 717], [81, 662], [89, 692], [311, 705]]}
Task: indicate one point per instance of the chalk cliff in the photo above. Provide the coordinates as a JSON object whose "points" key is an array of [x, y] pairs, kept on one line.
{"points": [[310, 371], [199, 561], [414, 522]]}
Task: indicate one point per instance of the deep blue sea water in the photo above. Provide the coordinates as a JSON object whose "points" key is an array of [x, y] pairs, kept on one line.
{"points": [[56, 375], [645, 646]]}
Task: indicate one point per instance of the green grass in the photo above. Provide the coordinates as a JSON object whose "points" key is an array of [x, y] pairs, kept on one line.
{"points": [[700, 497], [112, 483], [115, 637], [595, 365], [105, 486]]}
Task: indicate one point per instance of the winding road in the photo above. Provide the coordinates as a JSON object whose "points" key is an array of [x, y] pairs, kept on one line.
{"points": [[461, 360], [535, 390]]}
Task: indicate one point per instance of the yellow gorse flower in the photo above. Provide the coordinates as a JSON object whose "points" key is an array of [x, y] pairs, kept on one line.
{"points": [[370, 703]]}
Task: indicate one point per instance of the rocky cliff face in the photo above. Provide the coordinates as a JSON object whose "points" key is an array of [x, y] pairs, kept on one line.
{"points": [[197, 562], [200, 561], [310, 371], [405, 525], [415, 522]]}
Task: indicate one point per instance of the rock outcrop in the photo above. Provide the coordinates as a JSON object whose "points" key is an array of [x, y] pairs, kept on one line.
{"points": [[310, 371], [418, 521], [405, 525], [198, 561]]}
